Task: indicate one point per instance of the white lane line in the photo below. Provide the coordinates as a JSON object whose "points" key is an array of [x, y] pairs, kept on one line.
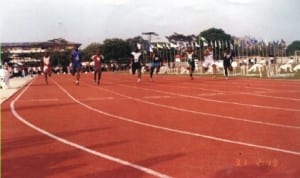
{"points": [[202, 113], [80, 147], [98, 98], [156, 97], [224, 102], [179, 131], [198, 112], [210, 94], [273, 97], [41, 100], [239, 93]]}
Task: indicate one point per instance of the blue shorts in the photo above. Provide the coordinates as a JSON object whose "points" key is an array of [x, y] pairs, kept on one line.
{"points": [[155, 64], [75, 66]]}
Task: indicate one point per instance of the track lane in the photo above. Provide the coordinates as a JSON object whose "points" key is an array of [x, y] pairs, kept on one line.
{"points": [[211, 160]]}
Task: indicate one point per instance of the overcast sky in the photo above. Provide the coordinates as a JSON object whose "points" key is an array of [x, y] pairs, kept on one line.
{"points": [[87, 21]]}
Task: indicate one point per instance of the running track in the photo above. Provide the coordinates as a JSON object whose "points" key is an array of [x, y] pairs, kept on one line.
{"points": [[171, 127]]}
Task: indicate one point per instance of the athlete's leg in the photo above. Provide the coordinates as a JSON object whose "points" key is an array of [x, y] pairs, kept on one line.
{"points": [[46, 77], [77, 75], [139, 74], [95, 74], [226, 70], [99, 76], [152, 71], [214, 67]]}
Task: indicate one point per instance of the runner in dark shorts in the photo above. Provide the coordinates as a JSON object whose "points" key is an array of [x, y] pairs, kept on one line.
{"points": [[227, 60], [136, 63], [155, 63]]}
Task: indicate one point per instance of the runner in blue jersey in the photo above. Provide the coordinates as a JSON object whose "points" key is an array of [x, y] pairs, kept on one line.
{"points": [[76, 64], [155, 63]]}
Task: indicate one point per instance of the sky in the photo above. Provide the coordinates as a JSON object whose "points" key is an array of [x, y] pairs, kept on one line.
{"points": [[87, 21]]}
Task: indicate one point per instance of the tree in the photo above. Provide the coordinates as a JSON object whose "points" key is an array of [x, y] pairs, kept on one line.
{"points": [[176, 37], [5, 57], [214, 34], [59, 58], [132, 42], [115, 49], [90, 51], [218, 39], [295, 45]]}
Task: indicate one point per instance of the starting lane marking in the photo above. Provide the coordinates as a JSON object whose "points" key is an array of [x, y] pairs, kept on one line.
{"points": [[176, 130], [80, 147]]}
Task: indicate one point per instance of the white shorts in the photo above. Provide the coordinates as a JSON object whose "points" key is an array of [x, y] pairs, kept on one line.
{"points": [[207, 63], [46, 69]]}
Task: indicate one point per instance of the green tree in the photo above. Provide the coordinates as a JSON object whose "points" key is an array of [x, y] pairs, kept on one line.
{"points": [[5, 56], [295, 45], [214, 34], [133, 41], [90, 51], [115, 49], [59, 58]]}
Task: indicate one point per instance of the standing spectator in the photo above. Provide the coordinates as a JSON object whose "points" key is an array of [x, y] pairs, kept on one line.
{"points": [[97, 58], [227, 60], [136, 63], [76, 63], [46, 66]]}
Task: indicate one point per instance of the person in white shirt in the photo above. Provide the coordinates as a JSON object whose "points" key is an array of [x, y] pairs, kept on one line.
{"points": [[209, 61], [46, 66], [136, 63]]}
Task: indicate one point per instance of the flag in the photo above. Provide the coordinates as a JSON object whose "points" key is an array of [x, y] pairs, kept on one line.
{"points": [[202, 38], [168, 45], [151, 48], [173, 45], [282, 43], [159, 46], [139, 46]]}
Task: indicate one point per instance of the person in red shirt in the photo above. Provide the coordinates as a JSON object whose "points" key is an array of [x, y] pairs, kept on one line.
{"points": [[97, 59]]}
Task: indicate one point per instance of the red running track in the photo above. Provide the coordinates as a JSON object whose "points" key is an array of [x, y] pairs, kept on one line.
{"points": [[171, 127]]}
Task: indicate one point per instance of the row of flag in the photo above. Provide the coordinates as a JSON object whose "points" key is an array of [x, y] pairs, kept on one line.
{"points": [[217, 44]]}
